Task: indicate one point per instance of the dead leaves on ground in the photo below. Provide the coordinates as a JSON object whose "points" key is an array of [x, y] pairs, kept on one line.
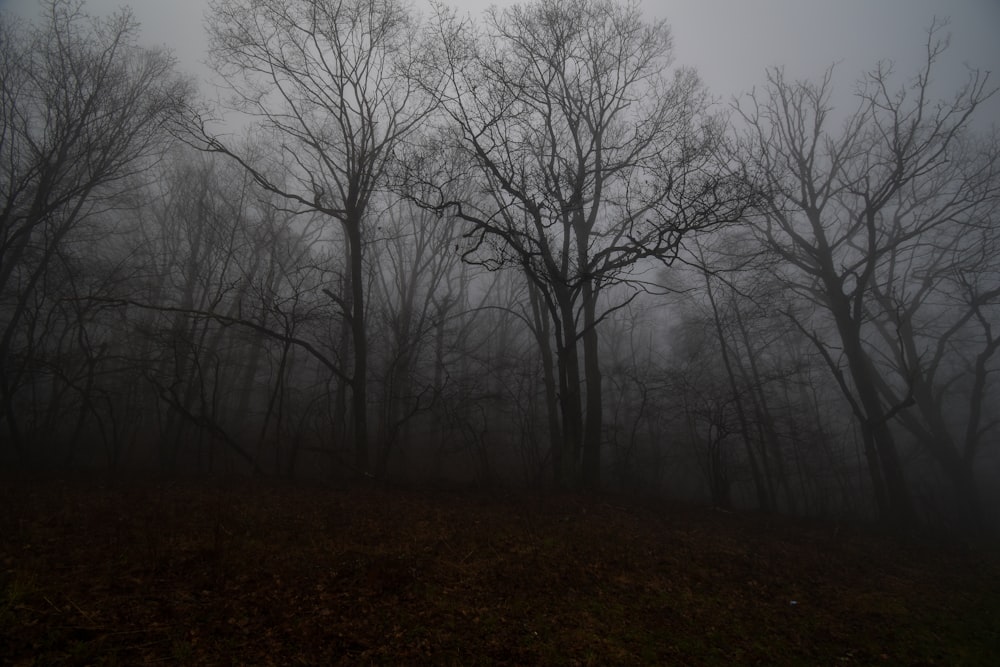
{"points": [[267, 574]]}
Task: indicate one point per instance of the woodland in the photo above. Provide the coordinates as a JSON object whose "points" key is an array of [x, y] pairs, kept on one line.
{"points": [[431, 338], [522, 250]]}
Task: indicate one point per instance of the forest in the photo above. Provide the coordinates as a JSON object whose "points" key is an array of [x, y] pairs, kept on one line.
{"points": [[516, 250]]}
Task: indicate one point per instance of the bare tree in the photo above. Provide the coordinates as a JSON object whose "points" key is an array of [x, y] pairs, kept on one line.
{"points": [[768, 367], [846, 210], [594, 157], [207, 240], [333, 83], [82, 114], [416, 288], [934, 311]]}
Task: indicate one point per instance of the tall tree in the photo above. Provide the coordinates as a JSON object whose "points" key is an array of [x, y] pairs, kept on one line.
{"points": [[846, 210], [333, 81], [83, 111], [595, 156], [934, 310], [416, 287]]}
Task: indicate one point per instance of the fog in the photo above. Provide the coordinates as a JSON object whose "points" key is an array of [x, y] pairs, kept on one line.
{"points": [[730, 42], [743, 254]]}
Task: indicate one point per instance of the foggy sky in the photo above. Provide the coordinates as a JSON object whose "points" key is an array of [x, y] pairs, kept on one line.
{"points": [[730, 42]]}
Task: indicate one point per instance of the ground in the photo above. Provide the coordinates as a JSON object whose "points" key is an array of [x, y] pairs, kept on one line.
{"points": [[212, 573]]}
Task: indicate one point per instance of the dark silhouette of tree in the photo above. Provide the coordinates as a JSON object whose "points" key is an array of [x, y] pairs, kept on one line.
{"points": [[334, 84], [83, 112], [593, 158], [850, 212]]}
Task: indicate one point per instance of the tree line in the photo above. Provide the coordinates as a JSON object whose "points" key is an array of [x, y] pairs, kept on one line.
{"points": [[519, 248]]}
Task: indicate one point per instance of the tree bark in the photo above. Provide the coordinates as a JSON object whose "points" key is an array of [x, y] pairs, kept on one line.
{"points": [[359, 339]]}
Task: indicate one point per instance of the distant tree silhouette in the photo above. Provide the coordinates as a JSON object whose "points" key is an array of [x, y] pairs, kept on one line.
{"points": [[334, 84], [83, 114]]}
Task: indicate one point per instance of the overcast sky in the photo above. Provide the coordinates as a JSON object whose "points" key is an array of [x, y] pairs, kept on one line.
{"points": [[730, 42]]}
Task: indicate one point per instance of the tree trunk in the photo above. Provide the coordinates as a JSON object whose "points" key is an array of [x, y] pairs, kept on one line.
{"points": [[764, 500], [592, 432], [359, 378], [898, 507], [543, 335], [570, 404]]}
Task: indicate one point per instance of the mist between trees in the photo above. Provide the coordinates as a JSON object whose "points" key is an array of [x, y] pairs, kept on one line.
{"points": [[522, 248]]}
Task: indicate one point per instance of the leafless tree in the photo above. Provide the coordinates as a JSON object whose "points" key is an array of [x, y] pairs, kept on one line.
{"points": [[418, 279], [334, 83], [849, 209], [594, 158], [83, 112], [935, 310]]}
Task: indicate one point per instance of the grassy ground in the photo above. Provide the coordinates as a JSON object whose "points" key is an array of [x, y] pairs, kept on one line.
{"points": [[199, 573]]}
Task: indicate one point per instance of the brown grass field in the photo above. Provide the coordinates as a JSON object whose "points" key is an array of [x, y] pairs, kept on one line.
{"points": [[241, 573]]}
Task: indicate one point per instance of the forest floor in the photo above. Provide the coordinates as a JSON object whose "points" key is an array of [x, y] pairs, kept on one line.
{"points": [[211, 573]]}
